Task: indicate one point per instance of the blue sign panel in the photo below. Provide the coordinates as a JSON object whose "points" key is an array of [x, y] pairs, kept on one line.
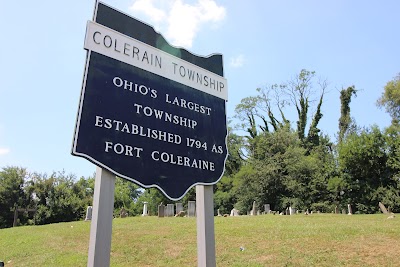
{"points": [[148, 116]]}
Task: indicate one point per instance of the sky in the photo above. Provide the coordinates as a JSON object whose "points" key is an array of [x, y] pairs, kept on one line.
{"points": [[263, 42]]}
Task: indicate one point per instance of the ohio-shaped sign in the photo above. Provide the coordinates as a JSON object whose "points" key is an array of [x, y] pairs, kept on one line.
{"points": [[149, 112]]}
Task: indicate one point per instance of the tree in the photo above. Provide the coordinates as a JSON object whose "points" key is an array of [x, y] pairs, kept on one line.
{"points": [[12, 194], [391, 195], [283, 173], [345, 119], [283, 166], [224, 191], [364, 164], [58, 198], [390, 99], [300, 92], [235, 146], [126, 195]]}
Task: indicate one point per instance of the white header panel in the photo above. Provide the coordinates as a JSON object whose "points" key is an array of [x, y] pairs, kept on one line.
{"points": [[115, 45]]}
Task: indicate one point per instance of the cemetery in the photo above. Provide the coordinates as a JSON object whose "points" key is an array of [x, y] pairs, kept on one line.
{"points": [[178, 182], [317, 239]]}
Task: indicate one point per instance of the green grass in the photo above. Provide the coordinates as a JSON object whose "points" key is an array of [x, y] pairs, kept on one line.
{"points": [[268, 240]]}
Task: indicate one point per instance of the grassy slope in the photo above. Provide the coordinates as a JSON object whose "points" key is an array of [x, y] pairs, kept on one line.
{"points": [[315, 240]]}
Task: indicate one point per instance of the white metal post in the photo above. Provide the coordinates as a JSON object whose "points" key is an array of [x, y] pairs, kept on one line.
{"points": [[101, 224], [205, 226]]}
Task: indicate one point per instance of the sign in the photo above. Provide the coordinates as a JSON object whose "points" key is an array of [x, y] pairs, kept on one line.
{"points": [[149, 112]]}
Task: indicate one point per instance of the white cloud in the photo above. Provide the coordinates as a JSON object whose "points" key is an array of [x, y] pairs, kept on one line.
{"points": [[147, 7], [180, 21], [237, 62], [4, 151]]}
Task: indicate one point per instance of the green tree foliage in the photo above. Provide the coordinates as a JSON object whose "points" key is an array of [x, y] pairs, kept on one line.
{"points": [[367, 169], [225, 195], [58, 198], [224, 190], [235, 154], [283, 173], [299, 92], [126, 195], [284, 166], [345, 119], [390, 99], [12, 194]]}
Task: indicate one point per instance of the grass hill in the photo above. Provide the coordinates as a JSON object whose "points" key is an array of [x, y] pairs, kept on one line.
{"points": [[266, 240]]}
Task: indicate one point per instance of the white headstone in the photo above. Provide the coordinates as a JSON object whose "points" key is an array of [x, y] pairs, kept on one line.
{"points": [[178, 208], [254, 209], [234, 212], [349, 209], [267, 208], [89, 211], [292, 211], [170, 210], [161, 210], [383, 208], [192, 209], [145, 212]]}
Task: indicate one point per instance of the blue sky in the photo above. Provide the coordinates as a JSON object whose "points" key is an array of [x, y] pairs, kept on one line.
{"points": [[263, 42]]}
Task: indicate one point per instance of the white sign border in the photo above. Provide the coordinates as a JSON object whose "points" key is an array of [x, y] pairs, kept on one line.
{"points": [[113, 44]]}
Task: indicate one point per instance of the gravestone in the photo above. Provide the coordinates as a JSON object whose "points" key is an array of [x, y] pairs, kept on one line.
{"points": [[383, 208], [292, 211], [234, 212], [123, 213], [161, 210], [336, 210], [254, 210], [89, 212], [267, 208], [191, 209], [145, 212], [170, 210], [391, 216], [178, 207], [218, 213], [350, 212], [343, 211], [180, 214]]}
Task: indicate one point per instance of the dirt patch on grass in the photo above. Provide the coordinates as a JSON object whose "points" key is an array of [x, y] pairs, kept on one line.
{"points": [[372, 251]]}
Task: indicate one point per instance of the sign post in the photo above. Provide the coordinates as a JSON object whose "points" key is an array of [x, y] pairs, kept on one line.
{"points": [[205, 226], [152, 114], [101, 224]]}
